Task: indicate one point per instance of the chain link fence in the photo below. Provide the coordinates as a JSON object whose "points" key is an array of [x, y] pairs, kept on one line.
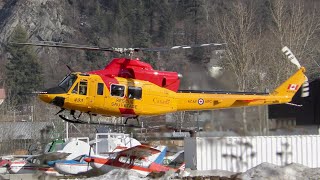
{"points": [[28, 129]]}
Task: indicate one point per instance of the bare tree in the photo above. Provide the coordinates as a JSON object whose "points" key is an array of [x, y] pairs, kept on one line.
{"points": [[295, 24], [241, 31]]}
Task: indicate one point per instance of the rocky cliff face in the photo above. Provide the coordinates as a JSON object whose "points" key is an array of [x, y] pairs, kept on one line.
{"points": [[44, 20], [72, 21]]}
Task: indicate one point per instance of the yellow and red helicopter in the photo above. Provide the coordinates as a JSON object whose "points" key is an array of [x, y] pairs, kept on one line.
{"points": [[131, 88]]}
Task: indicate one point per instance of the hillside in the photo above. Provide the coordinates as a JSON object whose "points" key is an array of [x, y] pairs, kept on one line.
{"points": [[115, 23], [254, 32]]}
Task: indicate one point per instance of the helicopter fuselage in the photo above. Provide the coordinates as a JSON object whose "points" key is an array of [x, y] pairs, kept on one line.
{"points": [[119, 97], [115, 92]]}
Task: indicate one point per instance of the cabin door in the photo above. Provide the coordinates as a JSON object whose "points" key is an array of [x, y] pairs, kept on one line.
{"points": [[79, 93], [98, 101]]}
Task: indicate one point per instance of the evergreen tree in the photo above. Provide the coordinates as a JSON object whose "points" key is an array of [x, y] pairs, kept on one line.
{"points": [[23, 72], [95, 60], [166, 23]]}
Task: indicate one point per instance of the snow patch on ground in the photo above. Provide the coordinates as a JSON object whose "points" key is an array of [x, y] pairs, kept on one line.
{"points": [[264, 171], [290, 172], [206, 173], [119, 174]]}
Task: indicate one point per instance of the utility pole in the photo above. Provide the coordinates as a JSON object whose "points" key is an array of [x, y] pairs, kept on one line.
{"points": [[267, 119], [198, 125], [32, 113], [67, 130], [267, 115]]}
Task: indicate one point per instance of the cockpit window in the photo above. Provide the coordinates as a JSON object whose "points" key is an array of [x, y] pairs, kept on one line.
{"points": [[78, 158], [67, 82], [83, 87], [75, 89], [117, 90]]}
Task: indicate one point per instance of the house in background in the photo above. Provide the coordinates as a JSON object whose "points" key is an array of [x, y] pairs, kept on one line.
{"points": [[304, 113], [2, 95]]}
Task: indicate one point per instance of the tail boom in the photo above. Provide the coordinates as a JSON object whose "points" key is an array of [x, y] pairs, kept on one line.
{"points": [[205, 101]]}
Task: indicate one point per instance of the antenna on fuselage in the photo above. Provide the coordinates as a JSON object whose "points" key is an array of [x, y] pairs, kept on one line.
{"points": [[70, 69]]}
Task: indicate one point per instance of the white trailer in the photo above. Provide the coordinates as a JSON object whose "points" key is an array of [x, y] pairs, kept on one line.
{"points": [[239, 154]]}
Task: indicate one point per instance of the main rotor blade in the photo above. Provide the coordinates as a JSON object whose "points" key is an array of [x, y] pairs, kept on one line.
{"points": [[64, 45], [181, 47], [113, 49]]}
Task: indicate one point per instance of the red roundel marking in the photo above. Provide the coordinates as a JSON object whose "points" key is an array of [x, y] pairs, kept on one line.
{"points": [[200, 101]]}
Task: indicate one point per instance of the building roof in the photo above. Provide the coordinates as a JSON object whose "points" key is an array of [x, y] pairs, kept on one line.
{"points": [[2, 94]]}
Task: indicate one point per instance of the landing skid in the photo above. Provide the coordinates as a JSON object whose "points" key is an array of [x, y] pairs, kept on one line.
{"points": [[78, 121], [132, 118]]}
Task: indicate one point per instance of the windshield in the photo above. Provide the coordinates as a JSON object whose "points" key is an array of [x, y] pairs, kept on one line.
{"points": [[78, 158], [67, 82]]}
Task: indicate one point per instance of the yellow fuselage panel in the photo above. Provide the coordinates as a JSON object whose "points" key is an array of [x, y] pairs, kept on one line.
{"points": [[155, 100], [200, 101]]}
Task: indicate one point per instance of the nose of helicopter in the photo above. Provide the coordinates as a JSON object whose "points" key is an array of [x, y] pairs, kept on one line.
{"points": [[53, 95], [53, 99], [45, 97]]}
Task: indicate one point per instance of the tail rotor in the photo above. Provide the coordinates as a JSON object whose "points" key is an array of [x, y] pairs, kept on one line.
{"points": [[291, 56], [305, 89], [294, 60]]}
